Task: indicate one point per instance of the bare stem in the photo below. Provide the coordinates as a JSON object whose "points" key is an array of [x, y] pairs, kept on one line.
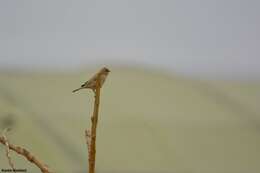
{"points": [[94, 121]]}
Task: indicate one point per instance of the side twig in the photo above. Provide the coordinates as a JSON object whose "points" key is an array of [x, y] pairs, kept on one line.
{"points": [[26, 154], [87, 136], [7, 150]]}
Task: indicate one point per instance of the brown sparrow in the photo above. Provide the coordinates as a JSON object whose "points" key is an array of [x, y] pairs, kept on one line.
{"points": [[92, 82]]}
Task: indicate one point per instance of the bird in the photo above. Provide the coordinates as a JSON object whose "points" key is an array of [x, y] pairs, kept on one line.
{"points": [[92, 82]]}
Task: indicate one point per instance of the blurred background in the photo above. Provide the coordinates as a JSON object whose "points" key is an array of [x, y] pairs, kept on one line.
{"points": [[183, 93]]}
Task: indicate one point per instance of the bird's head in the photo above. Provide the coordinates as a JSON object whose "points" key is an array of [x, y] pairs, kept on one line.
{"points": [[105, 70]]}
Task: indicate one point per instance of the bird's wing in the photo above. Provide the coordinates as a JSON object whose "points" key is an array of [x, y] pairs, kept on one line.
{"points": [[93, 78], [91, 81], [85, 84]]}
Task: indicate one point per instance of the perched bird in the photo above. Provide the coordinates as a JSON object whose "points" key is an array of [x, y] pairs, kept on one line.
{"points": [[92, 82]]}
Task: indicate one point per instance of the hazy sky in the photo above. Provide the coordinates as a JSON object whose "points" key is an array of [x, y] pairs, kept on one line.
{"points": [[199, 37]]}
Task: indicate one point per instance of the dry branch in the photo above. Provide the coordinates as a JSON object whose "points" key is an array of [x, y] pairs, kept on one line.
{"points": [[26, 154], [94, 121]]}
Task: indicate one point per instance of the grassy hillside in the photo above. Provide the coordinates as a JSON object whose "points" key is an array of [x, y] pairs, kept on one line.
{"points": [[149, 122]]}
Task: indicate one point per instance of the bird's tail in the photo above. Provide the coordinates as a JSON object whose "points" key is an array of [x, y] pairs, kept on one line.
{"points": [[77, 89]]}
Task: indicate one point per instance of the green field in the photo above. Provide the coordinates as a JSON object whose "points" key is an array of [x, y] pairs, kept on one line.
{"points": [[150, 122]]}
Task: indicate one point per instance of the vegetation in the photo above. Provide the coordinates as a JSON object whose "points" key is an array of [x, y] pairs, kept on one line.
{"points": [[151, 122]]}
